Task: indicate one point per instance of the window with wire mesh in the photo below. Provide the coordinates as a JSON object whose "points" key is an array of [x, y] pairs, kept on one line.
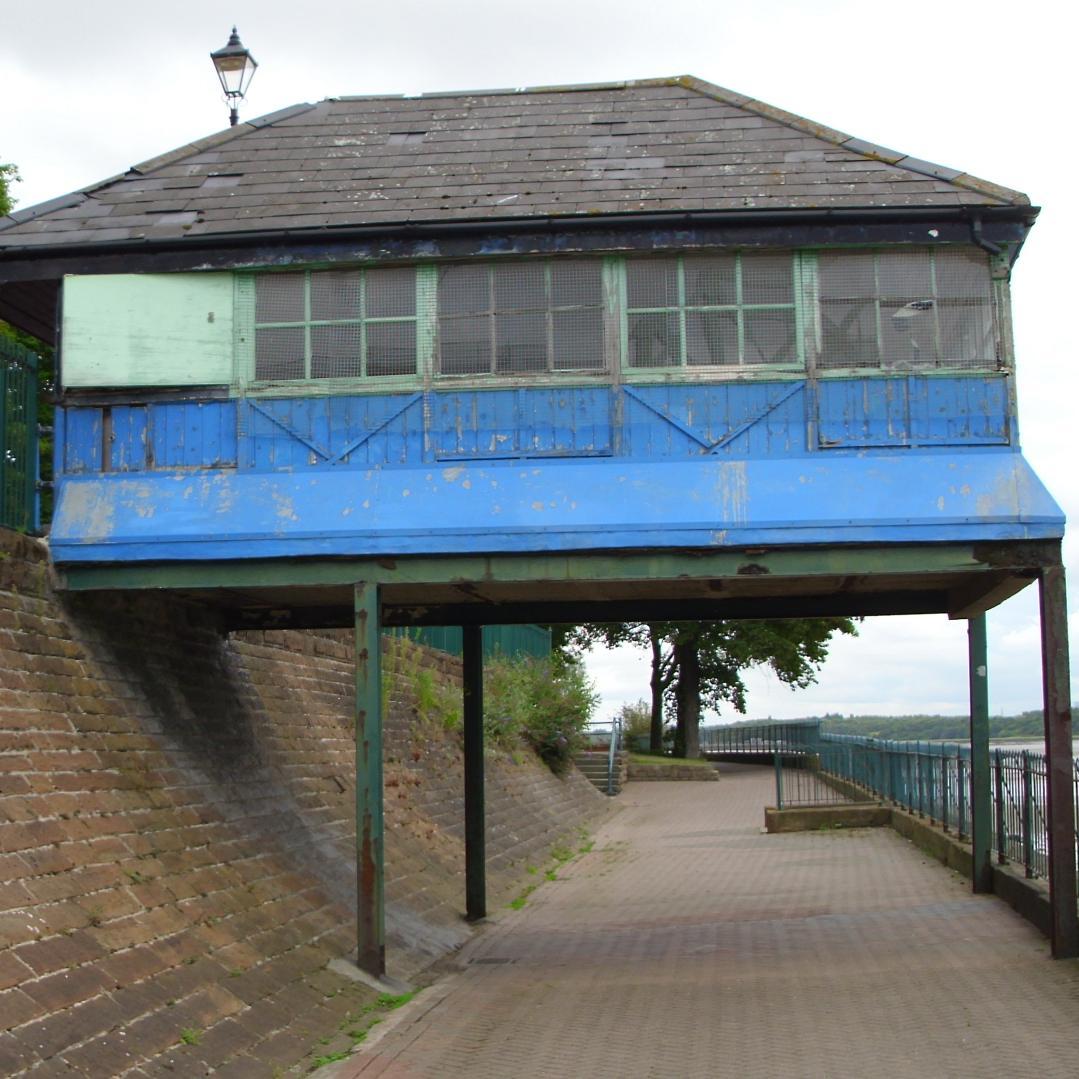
{"points": [[729, 310], [521, 318], [906, 310], [325, 324]]}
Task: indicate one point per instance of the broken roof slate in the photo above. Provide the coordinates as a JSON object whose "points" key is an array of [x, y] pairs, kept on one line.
{"points": [[662, 145]]}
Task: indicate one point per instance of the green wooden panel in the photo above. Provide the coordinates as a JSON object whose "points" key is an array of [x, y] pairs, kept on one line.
{"points": [[147, 330]]}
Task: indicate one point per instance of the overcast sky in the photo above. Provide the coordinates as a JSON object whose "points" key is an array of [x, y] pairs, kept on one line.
{"points": [[91, 89]]}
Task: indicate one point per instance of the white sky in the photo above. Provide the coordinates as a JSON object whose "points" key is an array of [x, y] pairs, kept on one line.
{"points": [[90, 89]]}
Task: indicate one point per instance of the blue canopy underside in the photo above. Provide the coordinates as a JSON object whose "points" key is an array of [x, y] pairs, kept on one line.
{"points": [[577, 505]]}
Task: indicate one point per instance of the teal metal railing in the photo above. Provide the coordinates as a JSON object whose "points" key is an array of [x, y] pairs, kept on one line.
{"points": [[18, 437], [933, 781], [760, 739]]}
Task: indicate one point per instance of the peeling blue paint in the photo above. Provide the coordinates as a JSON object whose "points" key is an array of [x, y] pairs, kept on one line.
{"points": [[583, 505]]}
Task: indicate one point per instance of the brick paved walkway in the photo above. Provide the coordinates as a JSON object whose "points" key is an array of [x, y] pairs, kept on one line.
{"points": [[686, 944]]}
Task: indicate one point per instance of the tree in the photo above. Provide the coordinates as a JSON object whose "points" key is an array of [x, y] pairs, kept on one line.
{"points": [[697, 665], [9, 174]]}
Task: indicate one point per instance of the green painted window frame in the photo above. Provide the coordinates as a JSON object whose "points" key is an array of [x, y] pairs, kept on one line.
{"points": [[739, 308], [549, 312], [805, 303], [248, 327]]}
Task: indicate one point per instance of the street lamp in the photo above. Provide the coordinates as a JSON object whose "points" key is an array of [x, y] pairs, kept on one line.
{"points": [[235, 68]]}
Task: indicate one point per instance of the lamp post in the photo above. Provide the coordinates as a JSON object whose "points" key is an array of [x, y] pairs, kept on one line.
{"points": [[235, 68]]}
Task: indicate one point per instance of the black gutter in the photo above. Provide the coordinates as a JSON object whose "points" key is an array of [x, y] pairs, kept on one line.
{"points": [[688, 218]]}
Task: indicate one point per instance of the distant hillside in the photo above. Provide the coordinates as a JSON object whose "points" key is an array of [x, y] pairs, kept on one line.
{"points": [[909, 728]]}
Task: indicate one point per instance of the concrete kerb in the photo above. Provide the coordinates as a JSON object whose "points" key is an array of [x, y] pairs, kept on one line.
{"points": [[1028, 897]]}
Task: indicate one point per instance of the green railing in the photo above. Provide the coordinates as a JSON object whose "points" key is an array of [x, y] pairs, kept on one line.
{"points": [[760, 739], [18, 437], [931, 780]]}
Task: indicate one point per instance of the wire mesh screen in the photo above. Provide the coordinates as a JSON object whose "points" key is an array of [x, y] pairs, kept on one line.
{"points": [[335, 324], [906, 310], [725, 310], [521, 318]]}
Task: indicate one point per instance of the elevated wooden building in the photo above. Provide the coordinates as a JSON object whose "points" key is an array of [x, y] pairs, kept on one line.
{"points": [[646, 349]]}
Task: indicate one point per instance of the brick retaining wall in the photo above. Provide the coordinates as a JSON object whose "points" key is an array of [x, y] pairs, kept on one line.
{"points": [[176, 831]]}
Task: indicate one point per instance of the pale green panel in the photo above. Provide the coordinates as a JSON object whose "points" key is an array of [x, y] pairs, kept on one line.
{"points": [[147, 330]]}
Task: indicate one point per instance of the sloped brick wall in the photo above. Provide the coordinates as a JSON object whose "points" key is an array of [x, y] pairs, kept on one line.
{"points": [[176, 832]]}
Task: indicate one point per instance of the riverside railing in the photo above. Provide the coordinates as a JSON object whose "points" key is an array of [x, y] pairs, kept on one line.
{"points": [[933, 781], [760, 739]]}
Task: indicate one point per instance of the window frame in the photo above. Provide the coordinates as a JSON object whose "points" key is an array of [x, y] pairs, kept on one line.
{"points": [[616, 367], [997, 331], [248, 327], [739, 307], [549, 372]]}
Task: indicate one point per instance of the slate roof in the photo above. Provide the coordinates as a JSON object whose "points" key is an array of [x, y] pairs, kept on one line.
{"points": [[658, 145]]}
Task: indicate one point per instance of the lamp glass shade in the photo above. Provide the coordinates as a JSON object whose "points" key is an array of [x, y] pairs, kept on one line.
{"points": [[235, 67]]}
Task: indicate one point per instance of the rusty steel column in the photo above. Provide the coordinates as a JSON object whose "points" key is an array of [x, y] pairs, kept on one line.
{"points": [[981, 802], [475, 823], [370, 869], [1056, 687]]}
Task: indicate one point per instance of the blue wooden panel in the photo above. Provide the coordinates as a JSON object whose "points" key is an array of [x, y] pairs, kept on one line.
{"points": [[968, 411], [130, 433], [571, 421], [83, 440], [914, 411], [730, 419], [191, 434], [339, 432], [735, 420], [863, 412]]}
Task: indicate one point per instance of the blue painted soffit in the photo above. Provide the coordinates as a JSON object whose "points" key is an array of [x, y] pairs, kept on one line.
{"points": [[554, 506]]}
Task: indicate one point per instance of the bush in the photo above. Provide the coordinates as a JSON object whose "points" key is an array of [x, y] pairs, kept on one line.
{"points": [[545, 702], [636, 719]]}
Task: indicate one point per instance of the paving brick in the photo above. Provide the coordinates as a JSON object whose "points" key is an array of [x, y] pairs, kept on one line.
{"points": [[67, 987], [49, 1036], [13, 971], [686, 943], [16, 1008], [59, 952]]}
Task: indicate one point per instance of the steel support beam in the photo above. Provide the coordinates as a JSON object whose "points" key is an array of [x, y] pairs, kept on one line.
{"points": [[370, 866], [981, 795], [1056, 685], [475, 822]]}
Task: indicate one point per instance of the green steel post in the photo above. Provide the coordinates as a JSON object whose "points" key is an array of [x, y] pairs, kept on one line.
{"points": [[998, 786], [981, 799], [943, 791], [1056, 692], [779, 781], [475, 825], [370, 868], [1028, 817]]}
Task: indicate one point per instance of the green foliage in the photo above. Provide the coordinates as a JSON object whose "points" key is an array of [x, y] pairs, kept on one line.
{"points": [[545, 702], [636, 718], [648, 758], [436, 702], [699, 665], [1029, 725], [190, 1036], [329, 1058], [9, 174]]}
